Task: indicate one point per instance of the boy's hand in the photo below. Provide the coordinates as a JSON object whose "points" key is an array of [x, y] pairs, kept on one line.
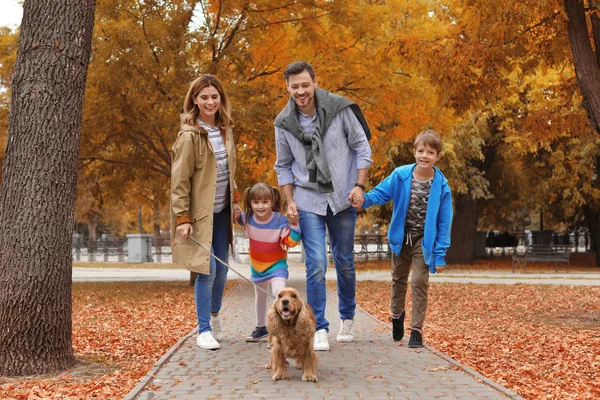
{"points": [[356, 197], [440, 268]]}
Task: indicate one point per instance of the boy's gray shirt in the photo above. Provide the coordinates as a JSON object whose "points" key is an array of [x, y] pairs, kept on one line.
{"points": [[347, 149]]}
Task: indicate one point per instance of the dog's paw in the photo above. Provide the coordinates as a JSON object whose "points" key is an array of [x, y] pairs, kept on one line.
{"points": [[281, 375], [268, 366], [309, 378]]}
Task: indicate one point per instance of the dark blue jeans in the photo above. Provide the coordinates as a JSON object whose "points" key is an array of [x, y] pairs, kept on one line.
{"points": [[341, 237], [209, 288]]}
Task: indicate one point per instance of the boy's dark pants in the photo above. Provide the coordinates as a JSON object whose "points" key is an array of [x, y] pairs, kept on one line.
{"points": [[419, 281]]}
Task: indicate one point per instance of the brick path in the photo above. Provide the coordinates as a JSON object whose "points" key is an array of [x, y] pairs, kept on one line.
{"points": [[372, 367]]}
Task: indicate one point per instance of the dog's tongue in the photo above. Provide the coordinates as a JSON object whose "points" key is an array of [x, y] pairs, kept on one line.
{"points": [[285, 313]]}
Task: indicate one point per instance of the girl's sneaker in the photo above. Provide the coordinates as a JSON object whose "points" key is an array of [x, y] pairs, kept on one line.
{"points": [[259, 333]]}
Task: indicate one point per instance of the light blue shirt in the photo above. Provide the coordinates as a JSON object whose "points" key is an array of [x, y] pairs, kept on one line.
{"points": [[347, 150]]}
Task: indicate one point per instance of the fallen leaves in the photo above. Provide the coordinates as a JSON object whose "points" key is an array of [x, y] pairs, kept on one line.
{"points": [[119, 331], [537, 340]]}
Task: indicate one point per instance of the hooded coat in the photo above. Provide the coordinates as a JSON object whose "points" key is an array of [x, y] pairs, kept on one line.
{"points": [[193, 187]]}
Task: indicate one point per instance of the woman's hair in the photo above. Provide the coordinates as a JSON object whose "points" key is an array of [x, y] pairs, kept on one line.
{"points": [[190, 109], [261, 191]]}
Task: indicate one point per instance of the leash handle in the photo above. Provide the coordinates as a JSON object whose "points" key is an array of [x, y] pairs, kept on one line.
{"points": [[229, 266]]}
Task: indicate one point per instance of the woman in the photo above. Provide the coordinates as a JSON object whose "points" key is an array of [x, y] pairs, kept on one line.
{"points": [[203, 195]]}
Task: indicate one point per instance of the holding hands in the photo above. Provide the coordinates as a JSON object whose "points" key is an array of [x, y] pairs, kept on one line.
{"points": [[356, 197], [292, 214]]}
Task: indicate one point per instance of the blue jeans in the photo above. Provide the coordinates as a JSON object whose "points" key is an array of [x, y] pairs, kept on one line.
{"points": [[209, 288], [341, 237]]}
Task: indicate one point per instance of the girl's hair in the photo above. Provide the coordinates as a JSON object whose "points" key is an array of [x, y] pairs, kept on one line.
{"points": [[261, 191], [190, 109]]}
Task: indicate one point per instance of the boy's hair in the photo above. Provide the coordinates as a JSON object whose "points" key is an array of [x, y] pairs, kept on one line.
{"points": [[429, 138], [260, 191], [298, 67]]}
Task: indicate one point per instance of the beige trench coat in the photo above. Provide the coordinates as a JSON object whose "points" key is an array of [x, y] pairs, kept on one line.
{"points": [[193, 187]]}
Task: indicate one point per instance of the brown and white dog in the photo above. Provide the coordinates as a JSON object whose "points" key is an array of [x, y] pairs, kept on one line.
{"points": [[292, 326]]}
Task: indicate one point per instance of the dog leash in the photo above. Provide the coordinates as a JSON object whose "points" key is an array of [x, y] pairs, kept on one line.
{"points": [[233, 269]]}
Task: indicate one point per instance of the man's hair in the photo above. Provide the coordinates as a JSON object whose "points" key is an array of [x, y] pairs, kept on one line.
{"points": [[298, 67], [429, 138]]}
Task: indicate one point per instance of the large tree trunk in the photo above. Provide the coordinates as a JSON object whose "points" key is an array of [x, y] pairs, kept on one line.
{"points": [[464, 230], [587, 69], [584, 58], [39, 183]]}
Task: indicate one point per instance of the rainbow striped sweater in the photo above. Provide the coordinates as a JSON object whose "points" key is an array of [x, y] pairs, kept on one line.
{"points": [[269, 241]]}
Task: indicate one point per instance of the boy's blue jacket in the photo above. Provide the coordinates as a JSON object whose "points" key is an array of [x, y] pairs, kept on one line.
{"points": [[438, 219]]}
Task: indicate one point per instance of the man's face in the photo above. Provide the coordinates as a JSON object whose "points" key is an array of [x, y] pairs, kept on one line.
{"points": [[302, 90]]}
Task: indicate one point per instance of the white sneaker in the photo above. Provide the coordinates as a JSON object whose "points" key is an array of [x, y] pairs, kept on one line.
{"points": [[321, 343], [207, 341], [217, 328], [345, 334]]}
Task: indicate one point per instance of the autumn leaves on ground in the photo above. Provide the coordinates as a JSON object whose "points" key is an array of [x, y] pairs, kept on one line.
{"points": [[540, 341]]}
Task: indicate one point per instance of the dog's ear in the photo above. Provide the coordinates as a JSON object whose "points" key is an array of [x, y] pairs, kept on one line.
{"points": [[305, 323], [273, 319]]}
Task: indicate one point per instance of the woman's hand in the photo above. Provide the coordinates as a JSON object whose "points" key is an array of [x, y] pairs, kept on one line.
{"points": [[184, 230]]}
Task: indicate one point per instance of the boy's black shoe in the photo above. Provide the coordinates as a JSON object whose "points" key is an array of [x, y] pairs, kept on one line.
{"points": [[416, 339], [258, 334], [398, 327]]}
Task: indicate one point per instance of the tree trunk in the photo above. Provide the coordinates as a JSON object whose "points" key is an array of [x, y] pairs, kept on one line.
{"points": [[592, 218], [156, 218], [92, 223], [464, 229], [37, 198], [584, 58]]}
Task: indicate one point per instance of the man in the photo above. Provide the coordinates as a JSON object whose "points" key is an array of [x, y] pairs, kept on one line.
{"points": [[322, 156]]}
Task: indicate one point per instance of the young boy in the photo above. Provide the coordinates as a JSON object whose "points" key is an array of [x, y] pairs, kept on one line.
{"points": [[419, 230]]}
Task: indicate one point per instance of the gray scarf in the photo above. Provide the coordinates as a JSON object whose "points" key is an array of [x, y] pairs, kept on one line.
{"points": [[327, 106]]}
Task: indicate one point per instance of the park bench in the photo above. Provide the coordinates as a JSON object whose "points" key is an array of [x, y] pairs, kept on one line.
{"points": [[541, 253]]}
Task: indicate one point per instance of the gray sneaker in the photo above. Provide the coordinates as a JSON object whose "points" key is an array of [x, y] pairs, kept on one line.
{"points": [[321, 343], [345, 333], [217, 327]]}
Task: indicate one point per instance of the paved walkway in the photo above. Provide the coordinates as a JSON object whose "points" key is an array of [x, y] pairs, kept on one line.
{"points": [[297, 272], [372, 367]]}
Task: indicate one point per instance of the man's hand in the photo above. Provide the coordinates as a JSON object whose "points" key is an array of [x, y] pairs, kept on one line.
{"points": [[356, 197], [292, 213], [184, 230], [440, 268]]}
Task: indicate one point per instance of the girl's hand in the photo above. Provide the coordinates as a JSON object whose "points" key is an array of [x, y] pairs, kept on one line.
{"points": [[293, 218], [237, 212], [184, 230], [440, 268]]}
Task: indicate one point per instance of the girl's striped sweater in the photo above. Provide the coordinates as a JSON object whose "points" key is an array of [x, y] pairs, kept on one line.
{"points": [[269, 241]]}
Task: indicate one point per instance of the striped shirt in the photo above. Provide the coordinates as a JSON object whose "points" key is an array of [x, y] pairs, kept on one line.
{"points": [[347, 150], [269, 241], [417, 206], [216, 141]]}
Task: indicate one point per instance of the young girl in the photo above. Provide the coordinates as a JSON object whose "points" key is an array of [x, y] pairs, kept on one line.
{"points": [[270, 234]]}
